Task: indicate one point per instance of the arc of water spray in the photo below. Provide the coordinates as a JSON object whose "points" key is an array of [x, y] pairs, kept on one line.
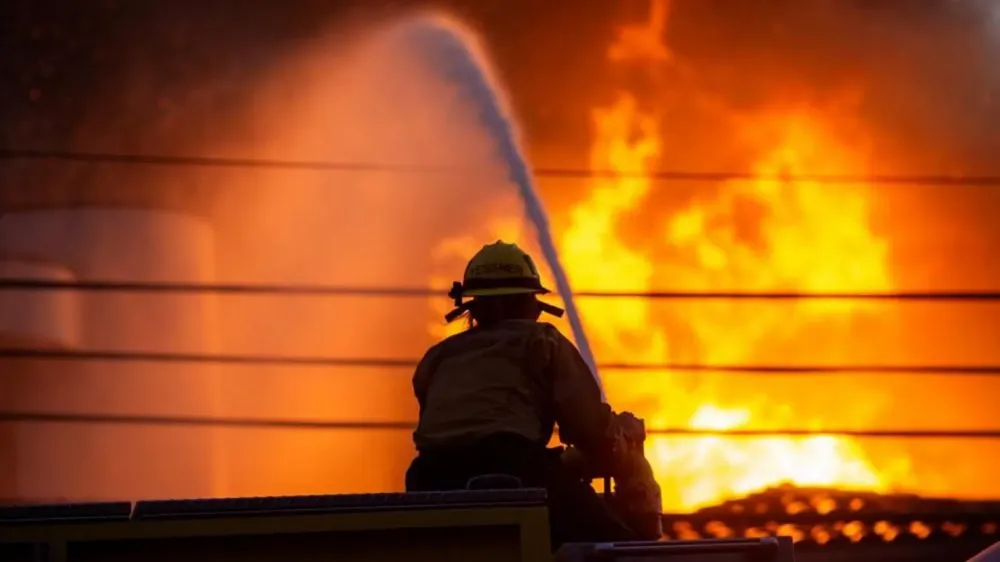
{"points": [[461, 64]]}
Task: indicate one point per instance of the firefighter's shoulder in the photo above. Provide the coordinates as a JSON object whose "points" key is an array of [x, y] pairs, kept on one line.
{"points": [[552, 334]]}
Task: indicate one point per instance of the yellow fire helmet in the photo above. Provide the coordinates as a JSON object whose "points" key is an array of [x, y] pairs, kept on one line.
{"points": [[499, 269]]}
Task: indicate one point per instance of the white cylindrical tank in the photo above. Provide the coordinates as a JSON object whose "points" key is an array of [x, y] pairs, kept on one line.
{"points": [[47, 320], [101, 461], [40, 319]]}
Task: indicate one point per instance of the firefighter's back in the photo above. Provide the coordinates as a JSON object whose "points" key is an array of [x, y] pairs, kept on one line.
{"points": [[483, 382]]}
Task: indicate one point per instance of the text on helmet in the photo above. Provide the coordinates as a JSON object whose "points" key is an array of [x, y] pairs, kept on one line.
{"points": [[492, 269]]}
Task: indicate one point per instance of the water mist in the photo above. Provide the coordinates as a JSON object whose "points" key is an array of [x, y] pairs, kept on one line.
{"points": [[464, 67]]}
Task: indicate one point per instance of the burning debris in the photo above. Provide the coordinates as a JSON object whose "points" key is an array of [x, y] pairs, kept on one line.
{"points": [[828, 516]]}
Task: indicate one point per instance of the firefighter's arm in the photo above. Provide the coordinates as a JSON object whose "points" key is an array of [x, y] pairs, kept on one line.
{"points": [[583, 418]]}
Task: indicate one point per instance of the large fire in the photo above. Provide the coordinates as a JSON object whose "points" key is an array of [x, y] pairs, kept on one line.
{"points": [[757, 235], [807, 237]]}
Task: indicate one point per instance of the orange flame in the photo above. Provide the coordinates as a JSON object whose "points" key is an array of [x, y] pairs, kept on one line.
{"points": [[804, 246], [753, 235], [756, 235]]}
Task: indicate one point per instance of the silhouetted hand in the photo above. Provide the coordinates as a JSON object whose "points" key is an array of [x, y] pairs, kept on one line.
{"points": [[631, 428]]}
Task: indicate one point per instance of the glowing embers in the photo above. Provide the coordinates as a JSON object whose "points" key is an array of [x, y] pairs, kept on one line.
{"points": [[828, 518]]}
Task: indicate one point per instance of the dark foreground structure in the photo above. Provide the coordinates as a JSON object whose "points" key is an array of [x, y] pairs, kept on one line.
{"points": [[501, 526]]}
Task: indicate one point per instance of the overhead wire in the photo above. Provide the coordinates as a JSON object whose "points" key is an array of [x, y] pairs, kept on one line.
{"points": [[404, 363], [544, 172], [338, 425], [27, 284]]}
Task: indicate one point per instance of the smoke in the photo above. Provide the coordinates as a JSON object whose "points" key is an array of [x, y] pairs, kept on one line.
{"points": [[922, 72], [914, 86], [380, 100], [361, 95]]}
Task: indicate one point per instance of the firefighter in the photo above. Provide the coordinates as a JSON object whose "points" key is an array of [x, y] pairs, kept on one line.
{"points": [[489, 398]]}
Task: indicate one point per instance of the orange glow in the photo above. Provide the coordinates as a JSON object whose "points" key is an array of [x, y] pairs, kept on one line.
{"points": [[757, 235], [457, 250], [802, 246], [802, 236]]}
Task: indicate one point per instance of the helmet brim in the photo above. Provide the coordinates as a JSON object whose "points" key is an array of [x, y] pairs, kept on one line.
{"points": [[500, 291]]}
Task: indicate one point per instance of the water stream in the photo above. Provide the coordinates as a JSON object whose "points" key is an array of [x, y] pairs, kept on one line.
{"points": [[463, 67]]}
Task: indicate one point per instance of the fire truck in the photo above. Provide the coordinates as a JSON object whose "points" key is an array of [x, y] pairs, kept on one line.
{"points": [[476, 525]]}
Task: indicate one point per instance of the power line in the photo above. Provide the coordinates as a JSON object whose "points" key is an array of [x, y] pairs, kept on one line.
{"points": [[666, 175], [304, 361], [199, 421], [255, 289], [213, 288], [333, 425], [166, 357]]}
